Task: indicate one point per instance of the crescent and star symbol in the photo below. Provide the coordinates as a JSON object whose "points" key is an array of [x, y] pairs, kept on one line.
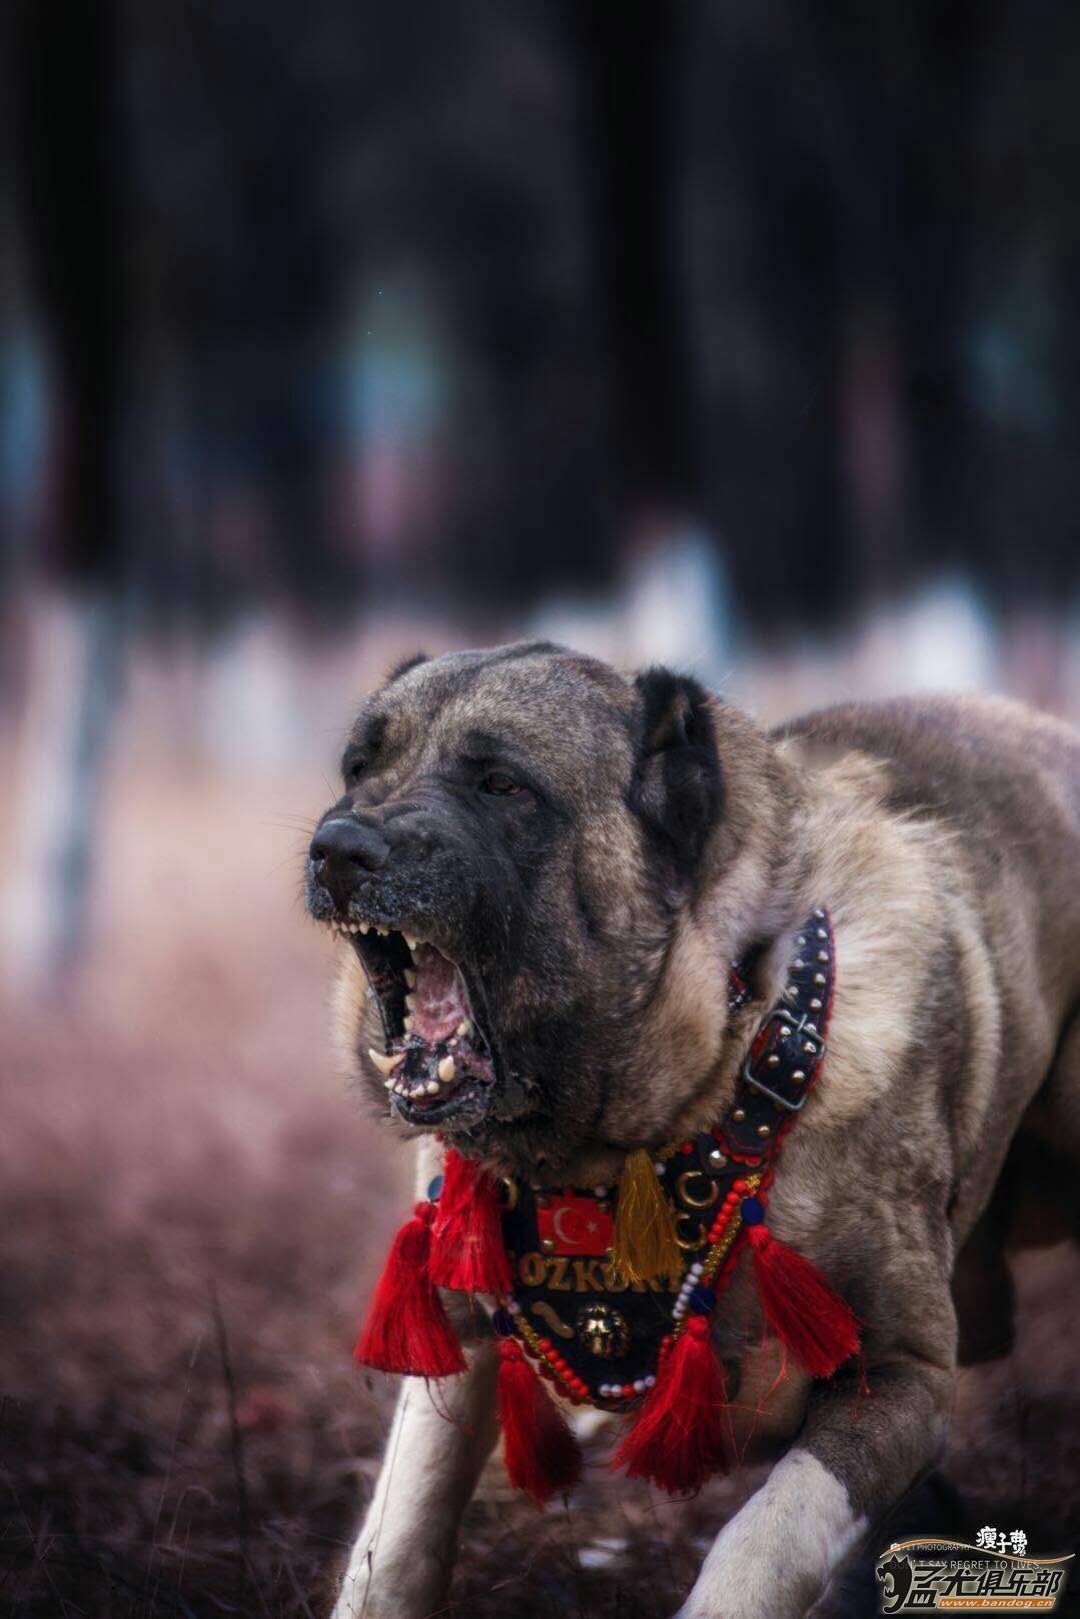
{"points": [[575, 1225]]}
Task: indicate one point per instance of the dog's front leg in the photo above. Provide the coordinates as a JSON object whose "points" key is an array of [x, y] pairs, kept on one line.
{"points": [[401, 1563], [403, 1558], [857, 1455]]}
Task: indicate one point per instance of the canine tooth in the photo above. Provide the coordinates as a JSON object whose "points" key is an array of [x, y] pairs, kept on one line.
{"points": [[464, 1027], [385, 1065], [410, 977], [410, 1001], [407, 1024], [389, 1082], [409, 940], [382, 932], [432, 1087], [446, 1070]]}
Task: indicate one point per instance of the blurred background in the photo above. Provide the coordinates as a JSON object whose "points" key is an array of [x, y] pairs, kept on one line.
{"points": [[741, 336]]}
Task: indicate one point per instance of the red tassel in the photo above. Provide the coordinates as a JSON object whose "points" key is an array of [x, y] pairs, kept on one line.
{"points": [[814, 1323], [682, 1431], [540, 1452], [407, 1329], [467, 1251]]}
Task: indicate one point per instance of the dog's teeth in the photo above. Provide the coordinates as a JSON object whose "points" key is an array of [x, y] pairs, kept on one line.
{"points": [[410, 1002], [382, 932], [409, 940], [446, 1070], [464, 1027], [385, 1065], [407, 1024], [433, 1087], [410, 977], [363, 926]]}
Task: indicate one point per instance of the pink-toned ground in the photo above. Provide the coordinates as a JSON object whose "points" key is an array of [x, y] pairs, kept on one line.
{"points": [[191, 1215]]}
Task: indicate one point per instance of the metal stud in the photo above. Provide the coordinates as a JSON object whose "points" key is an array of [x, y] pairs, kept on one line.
{"points": [[793, 990], [823, 955], [819, 978], [772, 1061], [717, 1159], [823, 933], [798, 1076], [547, 1244], [764, 1129], [815, 1005], [798, 962], [739, 1115], [810, 1048]]}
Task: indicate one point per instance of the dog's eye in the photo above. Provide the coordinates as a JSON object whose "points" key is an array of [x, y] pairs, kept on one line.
{"points": [[354, 770], [499, 783]]}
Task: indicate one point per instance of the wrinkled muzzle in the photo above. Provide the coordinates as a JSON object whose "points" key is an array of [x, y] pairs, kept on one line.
{"points": [[412, 898]]}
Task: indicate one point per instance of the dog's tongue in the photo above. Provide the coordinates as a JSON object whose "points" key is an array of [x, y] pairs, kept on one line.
{"points": [[437, 1002], [442, 1048]]}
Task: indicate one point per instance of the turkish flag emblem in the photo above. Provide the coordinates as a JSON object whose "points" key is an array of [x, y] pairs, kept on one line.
{"points": [[575, 1225]]}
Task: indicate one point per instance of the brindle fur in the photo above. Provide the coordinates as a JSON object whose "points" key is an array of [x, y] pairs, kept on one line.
{"points": [[943, 835]]}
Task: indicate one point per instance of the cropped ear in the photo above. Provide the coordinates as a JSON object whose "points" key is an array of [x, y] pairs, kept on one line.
{"points": [[678, 783], [405, 664]]}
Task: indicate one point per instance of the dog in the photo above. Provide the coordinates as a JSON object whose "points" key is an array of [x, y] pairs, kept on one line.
{"points": [[553, 867]]}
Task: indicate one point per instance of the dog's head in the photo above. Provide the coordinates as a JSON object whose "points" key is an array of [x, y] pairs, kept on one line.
{"points": [[514, 865]]}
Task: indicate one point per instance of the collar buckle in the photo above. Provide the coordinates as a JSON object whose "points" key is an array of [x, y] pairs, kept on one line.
{"points": [[774, 1096], [792, 1027]]}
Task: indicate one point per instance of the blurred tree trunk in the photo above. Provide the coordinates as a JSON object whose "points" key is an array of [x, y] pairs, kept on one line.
{"points": [[66, 105], [628, 65]]}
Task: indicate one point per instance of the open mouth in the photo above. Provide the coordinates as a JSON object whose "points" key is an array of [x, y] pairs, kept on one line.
{"points": [[436, 1062]]}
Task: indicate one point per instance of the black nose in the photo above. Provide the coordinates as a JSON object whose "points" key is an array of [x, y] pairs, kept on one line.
{"points": [[341, 849]]}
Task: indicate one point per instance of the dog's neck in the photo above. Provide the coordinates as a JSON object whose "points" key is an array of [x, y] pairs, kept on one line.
{"points": [[766, 877]]}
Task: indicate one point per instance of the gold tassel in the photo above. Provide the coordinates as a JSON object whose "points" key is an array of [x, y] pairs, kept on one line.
{"points": [[644, 1249]]}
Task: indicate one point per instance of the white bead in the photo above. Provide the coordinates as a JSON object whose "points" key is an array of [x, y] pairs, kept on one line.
{"points": [[650, 1382], [696, 1268], [639, 1385], [513, 1307], [661, 1168], [600, 1191]]}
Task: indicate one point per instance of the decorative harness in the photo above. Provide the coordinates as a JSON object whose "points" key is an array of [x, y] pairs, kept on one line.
{"points": [[607, 1291]]}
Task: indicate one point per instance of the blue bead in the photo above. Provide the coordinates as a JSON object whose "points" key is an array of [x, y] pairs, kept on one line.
{"points": [[751, 1211], [434, 1190], [702, 1299], [503, 1322]]}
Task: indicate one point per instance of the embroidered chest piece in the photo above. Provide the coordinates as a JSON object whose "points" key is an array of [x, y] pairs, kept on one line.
{"points": [[606, 1291]]}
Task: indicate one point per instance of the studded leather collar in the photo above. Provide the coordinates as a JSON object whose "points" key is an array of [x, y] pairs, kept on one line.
{"points": [[593, 1334]]}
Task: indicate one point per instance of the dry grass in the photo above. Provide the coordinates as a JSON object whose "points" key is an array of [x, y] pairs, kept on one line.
{"points": [[191, 1216]]}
